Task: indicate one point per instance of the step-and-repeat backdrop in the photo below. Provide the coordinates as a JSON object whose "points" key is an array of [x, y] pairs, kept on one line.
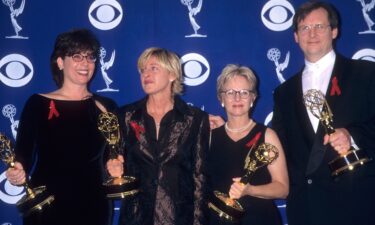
{"points": [[206, 34]]}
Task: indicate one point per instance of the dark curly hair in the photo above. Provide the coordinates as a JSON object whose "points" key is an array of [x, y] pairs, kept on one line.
{"points": [[68, 44]]}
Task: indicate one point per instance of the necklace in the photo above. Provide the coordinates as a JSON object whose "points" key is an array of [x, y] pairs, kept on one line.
{"points": [[238, 130]]}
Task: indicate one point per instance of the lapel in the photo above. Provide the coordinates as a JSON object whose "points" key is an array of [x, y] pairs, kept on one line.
{"points": [[337, 73], [301, 112], [168, 143], [135, 123], [319, 150]]}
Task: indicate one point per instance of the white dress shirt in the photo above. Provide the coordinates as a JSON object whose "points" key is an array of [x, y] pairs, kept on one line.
{"points": [[317, 76]]}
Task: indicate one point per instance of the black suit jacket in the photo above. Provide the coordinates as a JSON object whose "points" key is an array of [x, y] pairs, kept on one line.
{"points": [[171, 172], [316, 198]]}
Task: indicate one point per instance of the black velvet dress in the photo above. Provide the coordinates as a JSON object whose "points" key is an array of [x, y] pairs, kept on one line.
{"points": [[226, 161], [59, 142]]}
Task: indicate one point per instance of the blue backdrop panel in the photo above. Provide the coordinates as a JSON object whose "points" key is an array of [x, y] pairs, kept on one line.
{"points": [[207, 35]]}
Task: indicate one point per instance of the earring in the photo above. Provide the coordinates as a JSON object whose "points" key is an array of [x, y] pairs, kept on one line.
{"points": [[251, 105], [222, 104]]}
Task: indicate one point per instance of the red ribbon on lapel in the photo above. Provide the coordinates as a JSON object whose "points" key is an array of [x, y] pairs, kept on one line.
{"points": [[335, 89], [52, 110], [137, 129], [254, 140]]}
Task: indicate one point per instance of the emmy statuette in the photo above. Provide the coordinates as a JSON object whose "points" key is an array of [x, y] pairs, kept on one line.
{"points": [[230, 209], [36, 199], [116, 187], [316, 103]]}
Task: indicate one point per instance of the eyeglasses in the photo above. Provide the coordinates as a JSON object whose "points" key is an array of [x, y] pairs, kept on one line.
{"points": [[244, 94], [318, 28], [79, 58]]}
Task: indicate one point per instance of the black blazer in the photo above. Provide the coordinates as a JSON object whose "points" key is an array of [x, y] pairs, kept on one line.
{"points": [[172, 172], [315, 198]]}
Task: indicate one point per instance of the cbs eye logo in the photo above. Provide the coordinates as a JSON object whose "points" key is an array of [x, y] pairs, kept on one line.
{"points": [[15, 70], [277, 15], [365, 54], [105, 14], [196, 69], [8, 193]]}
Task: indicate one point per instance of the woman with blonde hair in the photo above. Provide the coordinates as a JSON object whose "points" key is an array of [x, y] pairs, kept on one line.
{"points": [[166, 142], [230, 145]]}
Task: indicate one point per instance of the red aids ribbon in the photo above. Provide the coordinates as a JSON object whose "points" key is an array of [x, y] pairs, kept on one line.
{"points": [[138, 130], [52, 110], [254, 140], [335, 89]]}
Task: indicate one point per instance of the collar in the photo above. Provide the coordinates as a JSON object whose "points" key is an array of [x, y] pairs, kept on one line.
{"points": [[321, 64], [180, 107]]}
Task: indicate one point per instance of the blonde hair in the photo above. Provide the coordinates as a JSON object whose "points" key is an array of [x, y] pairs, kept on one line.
{"points": [[168, 60], [232, 70]]}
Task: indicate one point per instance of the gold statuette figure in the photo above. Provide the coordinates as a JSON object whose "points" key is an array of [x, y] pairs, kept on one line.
{"points": [[230, 209], [35, 199], [116, 187], [318, 106]]}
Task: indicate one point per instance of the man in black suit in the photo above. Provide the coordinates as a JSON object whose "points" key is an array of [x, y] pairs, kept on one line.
{"points": [[315, 197]]}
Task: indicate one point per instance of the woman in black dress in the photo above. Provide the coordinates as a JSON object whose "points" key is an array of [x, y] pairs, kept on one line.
{"points": [[230, 144], [58, 137]]}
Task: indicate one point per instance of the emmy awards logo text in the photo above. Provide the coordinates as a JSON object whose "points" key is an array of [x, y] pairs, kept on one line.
{"points": [[366, 8], [14, 13], [193, 12], [104, 66], [274, 55]]}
